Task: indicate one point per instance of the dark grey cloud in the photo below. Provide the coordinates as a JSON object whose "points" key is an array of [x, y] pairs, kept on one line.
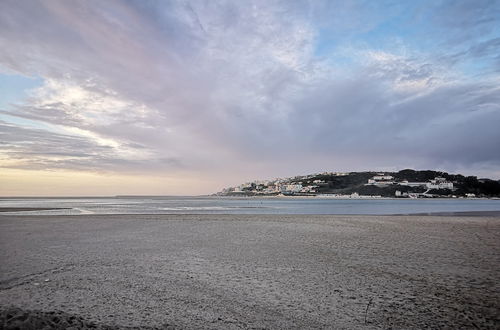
{"points": [[455, 122]]}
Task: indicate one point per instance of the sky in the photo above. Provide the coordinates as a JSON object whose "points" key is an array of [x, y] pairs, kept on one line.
{"points": [[189, 97]]}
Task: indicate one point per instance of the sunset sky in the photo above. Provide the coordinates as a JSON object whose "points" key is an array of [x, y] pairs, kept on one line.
{"points": [[187, 97]]}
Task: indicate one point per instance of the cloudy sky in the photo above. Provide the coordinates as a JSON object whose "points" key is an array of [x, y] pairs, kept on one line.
{"points": [[187, 97]]}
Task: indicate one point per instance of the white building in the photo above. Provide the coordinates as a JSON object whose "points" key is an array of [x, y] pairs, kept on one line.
{"points": [[439, 183], [412, 184], [271, 190], [381, 180], [308, 189], [291, 188]]}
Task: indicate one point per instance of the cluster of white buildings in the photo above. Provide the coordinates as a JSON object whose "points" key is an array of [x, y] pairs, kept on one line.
{"points": [[272, 188], [311, 185], [382, 180], [286, 186]]}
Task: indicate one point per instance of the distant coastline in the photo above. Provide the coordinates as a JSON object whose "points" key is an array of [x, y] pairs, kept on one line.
{"points": [[326, 196]]}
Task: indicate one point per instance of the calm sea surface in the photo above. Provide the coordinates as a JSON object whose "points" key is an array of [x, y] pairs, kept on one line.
{"points": [[221, 205]]}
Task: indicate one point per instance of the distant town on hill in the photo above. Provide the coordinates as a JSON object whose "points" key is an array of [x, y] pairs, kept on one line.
{"points": [[403, 184]]}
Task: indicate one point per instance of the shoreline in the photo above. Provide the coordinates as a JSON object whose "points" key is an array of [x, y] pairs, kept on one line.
{"points": [[454, 214], [326, 196], [362, 197], [12, 211]]}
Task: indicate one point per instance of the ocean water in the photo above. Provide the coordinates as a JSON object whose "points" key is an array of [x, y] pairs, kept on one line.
{"points": [[228, 205]]}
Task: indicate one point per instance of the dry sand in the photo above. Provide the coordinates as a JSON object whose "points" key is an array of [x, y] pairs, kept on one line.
{"points": [[239, 271]]}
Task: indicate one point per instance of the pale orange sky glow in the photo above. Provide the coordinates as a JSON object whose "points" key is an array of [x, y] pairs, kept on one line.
{"points": [[66, 183]]}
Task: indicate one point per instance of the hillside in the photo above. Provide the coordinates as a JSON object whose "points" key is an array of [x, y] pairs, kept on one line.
{"points": [[405, 183]]}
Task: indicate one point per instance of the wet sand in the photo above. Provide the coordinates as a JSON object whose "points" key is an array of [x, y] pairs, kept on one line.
{"points": [[250, 271], [24, 209]]}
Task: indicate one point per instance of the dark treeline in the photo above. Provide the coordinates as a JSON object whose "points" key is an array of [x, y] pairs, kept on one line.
{"points": [[355, 182]]}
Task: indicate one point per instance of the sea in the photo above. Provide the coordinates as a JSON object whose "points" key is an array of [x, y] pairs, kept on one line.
{"points": [[245, 205]]}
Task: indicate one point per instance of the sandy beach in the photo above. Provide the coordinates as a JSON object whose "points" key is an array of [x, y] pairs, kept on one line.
{"points": [[250, 272]]}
